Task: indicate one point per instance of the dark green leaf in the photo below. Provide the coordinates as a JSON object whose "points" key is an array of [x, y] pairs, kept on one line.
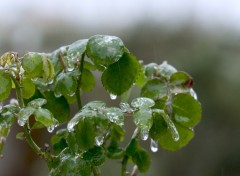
{"points": [[58, 106], [186, 110], [72, 142], [159, 126], [96, 156], [85, 134], [115, 153], [179, 78], [33, 65], [120, 76], [142, 159], [132, 147], [58, 141], [5, 85], [105, 50], [154, 89], [87, 81]]}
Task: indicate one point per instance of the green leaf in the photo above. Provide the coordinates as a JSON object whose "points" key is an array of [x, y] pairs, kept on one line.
{"points": [[5, 85], [141, 79], [36, 103], [28, 88], [66, 84], [87, 81], [151, 70], [72, 142], [186, 110], [20, 136], [85, 134], [96, 156], [95, 105], [142, 159], [105, 50], [154, 89], [180, 78], [166, 70], [48, 69], [24, 115], [58, 141], [132, 147], [159, 126], [33, 65], [115, 153], [58, 106], [45, 117], [3, 135], [116, 135], [115, 115], [120, 76], [142, 103]]}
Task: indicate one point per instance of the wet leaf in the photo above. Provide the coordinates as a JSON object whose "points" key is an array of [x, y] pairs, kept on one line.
{"points": [[166, 70], [120, 76], [105, 50], [180, 78], [96, 156], [142, 103], [186, 110], [8, 115], [142, 159], [88, 81], [5, 85], [24, 115], [77, 48], [48, 69], [45, 117], [28, 88], [36, 103]]}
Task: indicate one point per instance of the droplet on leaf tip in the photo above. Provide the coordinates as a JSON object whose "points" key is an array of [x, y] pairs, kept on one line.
{"points": [[154, 145], [113, 97], [144, 134], [99, 140]]}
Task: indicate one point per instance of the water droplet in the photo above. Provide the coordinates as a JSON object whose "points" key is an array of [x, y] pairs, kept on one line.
{"points": [[71, 94], [57, 94], [13, 101], [50, 128], [113, 97], [1, 105], [144, 134], [34, 79], [71, 65], [125, 107], [154, 146], [21, 122], [99, 140], [50, 81], [73, 122], [193, 93]]}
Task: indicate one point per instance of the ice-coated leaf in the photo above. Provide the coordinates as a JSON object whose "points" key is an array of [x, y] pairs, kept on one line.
{"points": [[121, 75], [8, 58], [88, 81], [115, 115], [186, 110], [142, 159], [96, 156], [45, 117], [154, 89], [166, 70], [77, 48], [95, 105], [58, 106], [181, 78], [5, 85], [28, 88], [66, 84], [117, 134], [8, 115], [32, 64], [143, 119], [142, 103], [36, 103], [105, 50], [24, 115], [151, 70]]}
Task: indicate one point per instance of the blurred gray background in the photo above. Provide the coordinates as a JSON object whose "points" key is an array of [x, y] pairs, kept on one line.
{"points": [[201, 37]]}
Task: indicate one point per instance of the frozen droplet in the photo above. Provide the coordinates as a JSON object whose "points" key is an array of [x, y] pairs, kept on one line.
{"points": [[70, 65], [193, 93], [50, 81], [34, 79], [13, 101], [154, 145], [71, 94], [57, 94], [144, 134], [125, 107], [1, 105], [50, 128], [142, 103], [73, 122], [21, 122], [113, 97], [99, 140]]}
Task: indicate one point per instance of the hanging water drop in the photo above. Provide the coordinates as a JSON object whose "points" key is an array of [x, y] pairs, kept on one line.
{"points": [[21, 122], [50, 128], [154, 146], [193, 94], [113, 97], [144, 134], [50, 81], [99, 140], [57, 94]]}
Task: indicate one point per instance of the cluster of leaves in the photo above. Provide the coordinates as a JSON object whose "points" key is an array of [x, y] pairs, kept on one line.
{"points": [[46, 84]]}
